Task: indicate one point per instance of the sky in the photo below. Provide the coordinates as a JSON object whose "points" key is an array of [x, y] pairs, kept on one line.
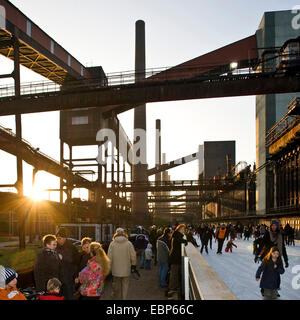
{"points": [[98, 32]]}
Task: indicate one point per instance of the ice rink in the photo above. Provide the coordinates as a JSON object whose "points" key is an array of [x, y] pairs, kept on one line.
{"points": [[237, 270]]}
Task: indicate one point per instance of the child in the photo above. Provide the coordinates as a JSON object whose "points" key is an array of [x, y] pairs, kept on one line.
{"points": [[8, 285], [53, 289], [272, 268], [148, 256], [229, 245]]}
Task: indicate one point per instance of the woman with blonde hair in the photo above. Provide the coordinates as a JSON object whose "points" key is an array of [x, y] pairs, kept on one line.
{"points": [[93, 275]]}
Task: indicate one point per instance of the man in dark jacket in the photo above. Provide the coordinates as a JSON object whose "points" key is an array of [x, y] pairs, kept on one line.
{"points": [[141, 242], [206, 236], [47, 263], [152, 239], [175, 259], [163, 248], [69, 263]]}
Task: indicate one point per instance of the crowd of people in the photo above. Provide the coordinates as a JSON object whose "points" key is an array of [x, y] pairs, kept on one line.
{"points": [[62, 272]]}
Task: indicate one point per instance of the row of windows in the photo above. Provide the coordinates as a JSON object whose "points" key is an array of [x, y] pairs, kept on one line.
{"points": [[52, 45]]}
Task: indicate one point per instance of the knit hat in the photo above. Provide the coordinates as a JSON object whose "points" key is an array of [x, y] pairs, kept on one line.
{"points": [[275, 222], [120, 230], [9, 275], [2, 277]]}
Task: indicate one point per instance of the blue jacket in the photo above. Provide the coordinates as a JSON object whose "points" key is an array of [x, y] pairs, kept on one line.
{"points": [[270, 276]]}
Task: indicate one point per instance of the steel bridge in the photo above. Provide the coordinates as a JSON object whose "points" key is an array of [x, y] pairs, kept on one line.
{"points": [[119, 98]]}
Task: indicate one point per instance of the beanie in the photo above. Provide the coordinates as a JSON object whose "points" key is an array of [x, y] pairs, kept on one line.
{"points": [[275, 222], [120, 230], [10, 275]]}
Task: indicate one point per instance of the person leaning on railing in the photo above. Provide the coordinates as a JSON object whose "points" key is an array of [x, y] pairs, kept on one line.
{"points": [[175, 259]]}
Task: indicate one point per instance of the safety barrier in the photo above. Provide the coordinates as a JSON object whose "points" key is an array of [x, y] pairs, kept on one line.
{"points": [[199, 280]]}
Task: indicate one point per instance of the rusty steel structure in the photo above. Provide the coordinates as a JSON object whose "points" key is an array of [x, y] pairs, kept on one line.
{"points": [[97, 98]]}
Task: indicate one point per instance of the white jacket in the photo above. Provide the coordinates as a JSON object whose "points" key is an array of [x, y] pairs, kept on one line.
{"points": [[148, 252]]}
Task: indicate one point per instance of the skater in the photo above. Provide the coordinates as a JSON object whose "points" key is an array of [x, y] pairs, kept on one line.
{"points": [[271, 269], [205, 238], [229, 246], [273, 237], [220, 235]]}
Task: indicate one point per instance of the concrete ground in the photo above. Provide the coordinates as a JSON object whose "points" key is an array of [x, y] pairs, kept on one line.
{"points": [[146, 288]]}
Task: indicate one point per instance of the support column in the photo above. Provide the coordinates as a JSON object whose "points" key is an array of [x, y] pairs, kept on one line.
{"points": [[61, 181], [18, 121], [32, 213], [139, 199]]}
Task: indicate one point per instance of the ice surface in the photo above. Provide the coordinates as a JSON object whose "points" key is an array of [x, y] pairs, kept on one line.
{"points": [[237, 270]]}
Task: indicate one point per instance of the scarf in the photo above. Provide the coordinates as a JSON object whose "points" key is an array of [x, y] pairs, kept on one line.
{"points": [[276, 238], [53, 252]]}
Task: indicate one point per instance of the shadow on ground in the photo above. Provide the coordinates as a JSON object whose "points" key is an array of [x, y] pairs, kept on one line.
{"points": [[146, 288]]}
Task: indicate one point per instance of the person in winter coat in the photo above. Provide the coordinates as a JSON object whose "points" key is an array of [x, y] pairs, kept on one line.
{"points": [[220, 235], [190, 238], [274, 237], [148, 256], [141, 243], [229, 245], [85, 254], [206, 235], [69, 263], [122, 255], [8, 285], [152, 239], [271, 269], [53, 291], [175, 259], [258, 243], [83, 258], [47, 264], [93, 275], [163, 249]]}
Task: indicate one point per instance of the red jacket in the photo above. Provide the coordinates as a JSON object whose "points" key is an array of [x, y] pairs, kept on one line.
{"points": [[51, 296]]}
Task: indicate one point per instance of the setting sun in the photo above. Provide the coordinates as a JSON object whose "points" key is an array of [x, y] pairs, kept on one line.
{"points": [[35, 194]]}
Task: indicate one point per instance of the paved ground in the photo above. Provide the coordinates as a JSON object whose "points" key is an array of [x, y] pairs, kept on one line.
{"points": [[146, 288]]}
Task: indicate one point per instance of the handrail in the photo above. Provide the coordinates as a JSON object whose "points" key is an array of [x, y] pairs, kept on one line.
{"points": [[203, 282]]}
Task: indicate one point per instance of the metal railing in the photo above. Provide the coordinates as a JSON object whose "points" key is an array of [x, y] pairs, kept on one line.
{"points": [[205, 72], [285, 124]]}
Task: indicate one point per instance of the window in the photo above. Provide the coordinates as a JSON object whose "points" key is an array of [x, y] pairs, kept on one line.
{"points": [[28, 28], [80, 120], [69, 60], [52, 47]]}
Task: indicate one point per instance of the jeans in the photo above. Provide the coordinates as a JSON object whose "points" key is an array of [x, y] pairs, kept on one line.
{"points": [[142, 257], [148, 264], [162, 273]]}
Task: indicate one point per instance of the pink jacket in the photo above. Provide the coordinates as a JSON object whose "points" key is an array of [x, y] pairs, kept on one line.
{"points": [[91, 279]]}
